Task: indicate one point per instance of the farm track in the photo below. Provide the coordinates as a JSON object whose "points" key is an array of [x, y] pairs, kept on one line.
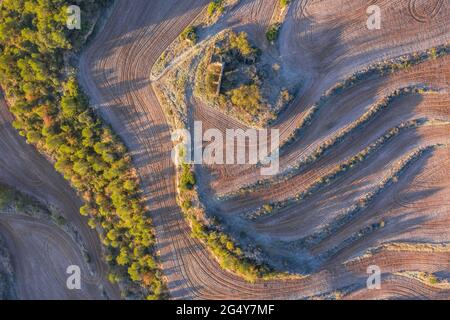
{"points": [[115, 72]]}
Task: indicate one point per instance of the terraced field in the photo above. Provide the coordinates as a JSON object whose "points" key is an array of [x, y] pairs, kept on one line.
{"points": [[364, 155], [321, 44], [41, 252]]}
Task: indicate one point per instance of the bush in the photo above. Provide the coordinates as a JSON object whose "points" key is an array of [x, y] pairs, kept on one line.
{"points": [[284, 3], [189, 34], [247, 98], [242, 45], [6, 196], [187, 179], [273, 32]]}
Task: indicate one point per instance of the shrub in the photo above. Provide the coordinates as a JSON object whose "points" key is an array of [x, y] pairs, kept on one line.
{"points": [[52, 112], [284, 3], [268, 208], [189, 34], [215, 6], [247, 98], [187, 179], [273, 32]]}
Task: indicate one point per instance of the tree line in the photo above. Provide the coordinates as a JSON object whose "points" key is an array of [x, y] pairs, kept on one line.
{"points": [[53, 114]]}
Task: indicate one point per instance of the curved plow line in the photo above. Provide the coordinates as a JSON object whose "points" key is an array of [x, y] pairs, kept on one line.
{"points": [[349, 164], [358, 124], [410, 159], [364, 201], [426, 278], [380, 69]]}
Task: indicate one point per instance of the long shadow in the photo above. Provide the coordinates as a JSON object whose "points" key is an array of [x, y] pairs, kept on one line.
{"points": [[331, 189], [402, 222]]}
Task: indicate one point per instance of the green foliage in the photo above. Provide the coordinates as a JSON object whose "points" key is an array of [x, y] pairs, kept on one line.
{"points": [[212, 79], [187, 179], [6, 196], [52, 113], [228, 255], [215, 6], [284, 3], [248, 98], [273, 32], [268, 208], [433, 53], [189, 34], [241, 43]]}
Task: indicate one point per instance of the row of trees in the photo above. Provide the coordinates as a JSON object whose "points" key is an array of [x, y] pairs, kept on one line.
{"points": [[52, 113]]}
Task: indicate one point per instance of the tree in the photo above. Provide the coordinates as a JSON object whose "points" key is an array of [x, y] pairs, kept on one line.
{"points": [[272, 32], [240, 42], [187, 179], [215, 6], [52, 112], [284, 3], [247, 98]]}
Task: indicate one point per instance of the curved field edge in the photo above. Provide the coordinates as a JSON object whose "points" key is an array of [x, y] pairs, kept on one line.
{"points": [[219, 243], [53, 114], [222, 246], [44, 243], [225, 250]]}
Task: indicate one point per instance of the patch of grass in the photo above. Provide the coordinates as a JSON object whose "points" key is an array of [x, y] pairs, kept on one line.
{"points": [[432, 279], [248, 98], [224, 248], [342, 168], [212, 78]]}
